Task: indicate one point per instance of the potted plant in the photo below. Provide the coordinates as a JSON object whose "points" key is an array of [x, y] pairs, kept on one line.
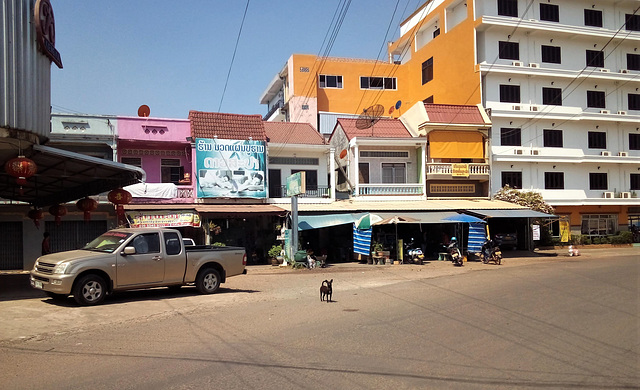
{"points": [[377, 247], [275, 254]]}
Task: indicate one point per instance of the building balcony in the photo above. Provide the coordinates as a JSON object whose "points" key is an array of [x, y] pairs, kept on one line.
{"points": [[386, 189], [311, 192], [448, 170]]}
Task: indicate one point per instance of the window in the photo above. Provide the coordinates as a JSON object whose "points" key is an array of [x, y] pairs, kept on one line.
{"points": [[510, 137], [599, 224], [595, 58], [428, 100], [552, 138], [634, 101], [294, 160], [276, 189], [509, 50], [633, 61], [552, 96], [172, 243], [512, 179], [135, 161], [394, 173], [551, 54], [635, 182], [171, 171], [146, 243], [596, 99], [633, 22], [311, 179], [597, 181], [592, 18], [549, 12], [384, 154], [378, 82], [553, 180], [427, 71], [436, 32], [634, 141], [327, 81], [597, 140], [508, 8], [510, 93], [363, 173]]}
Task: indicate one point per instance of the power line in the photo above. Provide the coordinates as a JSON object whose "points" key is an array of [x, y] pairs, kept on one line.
{"points": [[235, 49]]}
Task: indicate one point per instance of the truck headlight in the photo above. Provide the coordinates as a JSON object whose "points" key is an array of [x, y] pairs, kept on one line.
{"points": [[60, 268]]}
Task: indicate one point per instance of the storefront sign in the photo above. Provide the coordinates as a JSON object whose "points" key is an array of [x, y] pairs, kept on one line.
{"points": [[230, 168], [163, 219], [296, 184], [536, 232], [46, 31], [460, 170]]}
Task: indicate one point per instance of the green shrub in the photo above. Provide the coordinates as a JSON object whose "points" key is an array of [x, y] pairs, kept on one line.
{"points": [[275, 251], [587, 241], [622, 238]]}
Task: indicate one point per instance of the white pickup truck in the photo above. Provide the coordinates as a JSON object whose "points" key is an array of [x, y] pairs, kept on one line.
{"points": [[135, 258]]}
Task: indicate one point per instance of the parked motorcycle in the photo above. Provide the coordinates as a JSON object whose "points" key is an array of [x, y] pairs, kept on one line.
{"points": [[491, 252], [454, 253], [416, 256]]}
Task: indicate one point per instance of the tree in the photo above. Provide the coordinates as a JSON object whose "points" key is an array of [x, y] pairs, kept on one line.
{"points": [[530, 199]]}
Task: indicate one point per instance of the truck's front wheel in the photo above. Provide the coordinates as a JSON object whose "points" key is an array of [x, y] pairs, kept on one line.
{"points": [[89, 290], [208, 281]]}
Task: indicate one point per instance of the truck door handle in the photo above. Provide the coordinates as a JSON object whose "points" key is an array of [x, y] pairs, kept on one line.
{"points": [[157, 258]]}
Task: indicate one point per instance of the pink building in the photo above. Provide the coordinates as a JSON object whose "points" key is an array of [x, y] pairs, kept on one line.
{"points": [[160, 147]]}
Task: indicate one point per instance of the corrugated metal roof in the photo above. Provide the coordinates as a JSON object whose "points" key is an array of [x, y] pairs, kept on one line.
{"points": [[418, 205], [454, 114], [292, 133], [383, 128], [226, 126]]}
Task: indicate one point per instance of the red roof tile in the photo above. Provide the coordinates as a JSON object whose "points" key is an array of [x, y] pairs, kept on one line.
{"points": [[226, 126], [454, 114], [384, 128], [293, 133]]}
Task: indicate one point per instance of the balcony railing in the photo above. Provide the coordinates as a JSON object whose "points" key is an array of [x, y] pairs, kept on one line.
{"points": [[273, 109], [391, 189], [447, 169], [185, 192], [311, 192]]}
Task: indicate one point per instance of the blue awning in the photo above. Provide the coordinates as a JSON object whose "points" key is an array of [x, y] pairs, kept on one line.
{"points": [[306, 222], [517, 213], [464, 218]]}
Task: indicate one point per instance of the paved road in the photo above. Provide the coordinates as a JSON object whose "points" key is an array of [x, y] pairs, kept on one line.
{"points": [[536, 322]]}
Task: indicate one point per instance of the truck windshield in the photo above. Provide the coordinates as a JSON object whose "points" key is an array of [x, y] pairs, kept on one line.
{"points": [[108, 242]]}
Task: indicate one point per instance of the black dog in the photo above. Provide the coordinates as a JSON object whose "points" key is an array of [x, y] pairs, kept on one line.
{"points": [[326, 290]]}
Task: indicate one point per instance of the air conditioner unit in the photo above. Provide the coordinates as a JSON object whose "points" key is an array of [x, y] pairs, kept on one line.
{"points": [[534, 108], [517, 108], [624, 70], [535, 152], [625, 195], [607, 195], [605, 111], [623, 154], [517, 151], [622, 113], [604, 70], [534, 65], [605, 153], [517, 63]]}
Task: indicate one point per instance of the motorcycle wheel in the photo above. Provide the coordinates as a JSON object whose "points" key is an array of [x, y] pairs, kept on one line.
{"points": [[485, 259]]}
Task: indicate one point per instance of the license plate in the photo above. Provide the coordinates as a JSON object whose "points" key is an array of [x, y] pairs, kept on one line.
{"points": [[37, 284]]}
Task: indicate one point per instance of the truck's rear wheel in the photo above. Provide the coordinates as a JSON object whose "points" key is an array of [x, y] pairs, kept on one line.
{"points": [[208, 281], [89, 290]]}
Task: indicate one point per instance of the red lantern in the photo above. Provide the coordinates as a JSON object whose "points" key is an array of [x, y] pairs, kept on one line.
{"points": [[36, 215], [58, 211], [87, 205], [119, 197], [21, 168]]}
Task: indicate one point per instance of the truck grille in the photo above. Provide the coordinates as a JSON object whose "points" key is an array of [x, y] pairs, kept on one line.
{"points": [[45, 268], [40, 278]]}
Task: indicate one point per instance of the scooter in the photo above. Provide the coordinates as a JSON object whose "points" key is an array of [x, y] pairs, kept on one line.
{"points": [[416, 256], [491, 252], [454, 253]]}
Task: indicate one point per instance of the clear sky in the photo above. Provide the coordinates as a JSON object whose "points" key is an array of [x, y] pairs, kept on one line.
{"points": [[174, 56]]}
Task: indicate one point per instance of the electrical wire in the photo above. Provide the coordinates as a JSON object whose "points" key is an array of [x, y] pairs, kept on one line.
{"points": [[235, 49]]}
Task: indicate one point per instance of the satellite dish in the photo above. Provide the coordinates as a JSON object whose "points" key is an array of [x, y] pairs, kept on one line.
{"points": [[391, 110], [343, 154], [144, 110], [398, 104], [369, 116]]}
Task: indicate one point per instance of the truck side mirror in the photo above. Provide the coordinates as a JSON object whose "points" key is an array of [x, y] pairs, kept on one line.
{"points": [[128, 250]]}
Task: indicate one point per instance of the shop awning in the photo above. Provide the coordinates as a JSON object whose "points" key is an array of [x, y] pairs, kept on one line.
{"points": [[306, 222], [519, 213], [231, 209], [421, 217], [456, 144], [65, 176]]}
